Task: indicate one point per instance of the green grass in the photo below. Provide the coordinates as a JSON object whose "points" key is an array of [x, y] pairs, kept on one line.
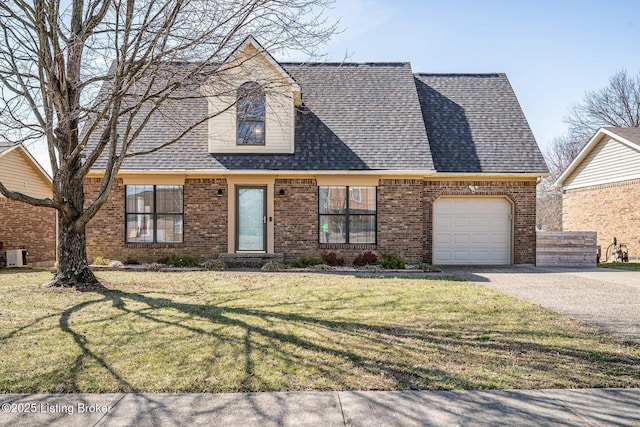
{"points": [[228, 331], [631, 266]]}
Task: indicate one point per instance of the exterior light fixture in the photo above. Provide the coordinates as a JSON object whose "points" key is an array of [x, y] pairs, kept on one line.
{"points": [[220, 193], [281, 192], [473, 189]]}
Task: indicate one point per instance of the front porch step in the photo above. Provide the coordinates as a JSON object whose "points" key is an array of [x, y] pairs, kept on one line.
{"points": [[249, 260]]}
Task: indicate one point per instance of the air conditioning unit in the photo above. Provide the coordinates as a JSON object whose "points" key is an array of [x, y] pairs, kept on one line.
{"points": [[16, 258]]}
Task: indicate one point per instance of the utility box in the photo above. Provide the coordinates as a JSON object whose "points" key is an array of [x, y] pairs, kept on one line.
{"points": [[16, 258]]}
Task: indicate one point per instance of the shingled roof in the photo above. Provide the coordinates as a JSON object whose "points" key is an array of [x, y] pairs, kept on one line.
{"points": [[628, 133], [4, 146], [366, 116], [475, 124]]}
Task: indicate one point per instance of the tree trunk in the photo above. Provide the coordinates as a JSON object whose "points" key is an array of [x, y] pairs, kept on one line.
{"points": [[73, 268]]}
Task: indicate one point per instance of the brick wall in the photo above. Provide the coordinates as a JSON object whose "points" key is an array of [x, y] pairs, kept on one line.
{"points": [[404, 220], [521, 193], [612, 210], [401, 218], [28, 226], [205, 224]]}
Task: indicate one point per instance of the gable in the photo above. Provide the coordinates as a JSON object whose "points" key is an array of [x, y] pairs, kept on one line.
{"points": [[19, 173], [251, 64], [608, 161]]}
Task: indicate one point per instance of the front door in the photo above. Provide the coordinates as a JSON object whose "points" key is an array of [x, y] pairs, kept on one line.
{"points": [[251, 228]]}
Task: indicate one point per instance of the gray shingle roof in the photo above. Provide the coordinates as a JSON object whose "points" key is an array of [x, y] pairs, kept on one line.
{"points": [[630, 134], [475, 124], [354, 117], [369, 116], [4, 146]]}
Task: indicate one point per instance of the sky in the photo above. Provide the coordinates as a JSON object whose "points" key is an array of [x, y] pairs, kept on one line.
{"points": [[553, 52]]}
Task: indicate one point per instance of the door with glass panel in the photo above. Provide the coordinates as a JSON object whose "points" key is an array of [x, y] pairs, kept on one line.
{"points": [[251, 221]]}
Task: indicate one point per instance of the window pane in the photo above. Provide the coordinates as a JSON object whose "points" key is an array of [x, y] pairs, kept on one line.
{"points": [[362, 229], [250, 132], [169, 228], [333, 200], [139, 199], [139, 228], [169, 198], [333, 229], [362, 200], [251, 108]]}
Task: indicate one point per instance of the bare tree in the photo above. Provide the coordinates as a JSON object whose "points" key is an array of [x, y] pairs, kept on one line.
{"points": [[617, 104], [56, 54]]}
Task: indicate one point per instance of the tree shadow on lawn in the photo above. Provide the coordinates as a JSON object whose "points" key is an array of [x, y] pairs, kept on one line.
{"points": [[340, 351]]}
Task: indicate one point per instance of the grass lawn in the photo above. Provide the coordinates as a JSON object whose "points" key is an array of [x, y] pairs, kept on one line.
{"points": [[631, 266], [229, 331]]}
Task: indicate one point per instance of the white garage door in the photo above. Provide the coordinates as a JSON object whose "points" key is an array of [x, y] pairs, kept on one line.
{"points": [[472, 230]]}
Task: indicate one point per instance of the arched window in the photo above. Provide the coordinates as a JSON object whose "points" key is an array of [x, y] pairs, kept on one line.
{"points": [[250, 114]]}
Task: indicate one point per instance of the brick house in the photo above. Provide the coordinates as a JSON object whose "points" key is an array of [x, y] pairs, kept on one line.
{"points": [[601, 189], [306, 158], [23, 225]]}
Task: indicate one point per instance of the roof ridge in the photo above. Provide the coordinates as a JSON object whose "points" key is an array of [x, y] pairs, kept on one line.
{"points": [[461, 74]]}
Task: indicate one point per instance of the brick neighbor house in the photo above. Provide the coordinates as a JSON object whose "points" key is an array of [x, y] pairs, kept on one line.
{"points": [[347, 158], [23, 225], [601, 189]]}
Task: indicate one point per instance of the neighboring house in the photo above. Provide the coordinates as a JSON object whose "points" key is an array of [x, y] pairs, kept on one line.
{"points": [[23, 225], [601, 189], [347, 158]]}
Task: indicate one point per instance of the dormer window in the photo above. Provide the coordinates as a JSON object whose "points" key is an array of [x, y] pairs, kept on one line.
{"points": [[250, 114]]}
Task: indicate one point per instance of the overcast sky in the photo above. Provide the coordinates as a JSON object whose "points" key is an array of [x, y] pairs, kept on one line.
{"points": [[552, 51]]}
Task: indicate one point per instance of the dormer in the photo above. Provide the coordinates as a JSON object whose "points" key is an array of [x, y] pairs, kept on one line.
{"points": [[252, 102]]}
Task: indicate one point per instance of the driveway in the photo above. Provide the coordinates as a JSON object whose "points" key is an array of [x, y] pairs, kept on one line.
{"points": [[603, 297]]}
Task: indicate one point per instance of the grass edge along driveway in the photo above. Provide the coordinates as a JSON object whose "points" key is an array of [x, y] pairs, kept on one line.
{"points": [[236, 331]]}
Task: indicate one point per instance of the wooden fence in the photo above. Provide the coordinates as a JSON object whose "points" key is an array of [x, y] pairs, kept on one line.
{"points": [[566, 248]]}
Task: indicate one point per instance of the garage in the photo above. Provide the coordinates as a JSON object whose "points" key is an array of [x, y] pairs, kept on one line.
{"points": [[472, 231]]}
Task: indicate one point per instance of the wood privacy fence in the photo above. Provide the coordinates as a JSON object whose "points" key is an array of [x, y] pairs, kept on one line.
{"points": [[566, 248]]}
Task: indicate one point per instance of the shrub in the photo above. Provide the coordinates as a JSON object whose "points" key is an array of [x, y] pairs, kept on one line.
{"points": [[273, 266], [365, 258], [391, 262], [332, 259], [131, 261], [116, 264], [101, 261], [322, 267], [305, 262], [155, 266], [214, 264], [183, 261]]}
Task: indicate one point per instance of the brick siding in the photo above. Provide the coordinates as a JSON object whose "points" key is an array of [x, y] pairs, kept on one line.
{"points": [[521, 193], [205, 224], [28, 226], [404, 220], [612, 210]]}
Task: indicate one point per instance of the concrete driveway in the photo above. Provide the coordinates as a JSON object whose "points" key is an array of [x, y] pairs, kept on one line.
{"points": [[603, 297]]}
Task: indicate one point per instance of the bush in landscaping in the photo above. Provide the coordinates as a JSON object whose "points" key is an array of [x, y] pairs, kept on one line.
{"points": [[214, 264], [273, 266], [365, 258], [131, 261], [116, 264], [101, 261], [305, 262], [183, 261], [332, 259], [155, 266], [391, 262]]}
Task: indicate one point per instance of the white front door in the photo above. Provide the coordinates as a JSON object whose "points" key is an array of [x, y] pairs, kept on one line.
{"points": [[251, 219], [472, 231]]}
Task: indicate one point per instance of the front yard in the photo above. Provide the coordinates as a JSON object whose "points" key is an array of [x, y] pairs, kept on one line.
{"points": [[226, 331]]}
